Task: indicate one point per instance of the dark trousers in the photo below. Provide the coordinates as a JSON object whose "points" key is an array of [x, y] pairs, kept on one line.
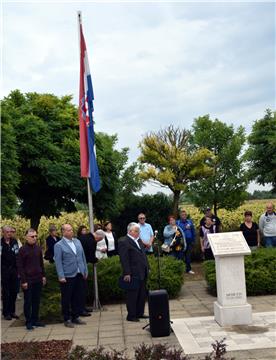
{"points": [[179, 255], [9, 293], [72, 297], [135, 301], [208, 254], [32, 302], [187, 256], [112, 253]]}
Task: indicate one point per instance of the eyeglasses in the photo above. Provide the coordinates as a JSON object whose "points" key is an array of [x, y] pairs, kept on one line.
{"points": [[141, 218], [32, 236]]}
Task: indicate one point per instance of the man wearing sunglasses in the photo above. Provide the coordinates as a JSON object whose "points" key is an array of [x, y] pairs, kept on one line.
{"points": [[32, 274], [146, 233]]}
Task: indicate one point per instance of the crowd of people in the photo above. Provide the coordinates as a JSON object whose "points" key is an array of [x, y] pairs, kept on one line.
{"points": [[24, 264]]}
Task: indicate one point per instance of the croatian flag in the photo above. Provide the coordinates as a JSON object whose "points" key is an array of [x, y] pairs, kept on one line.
{"points": [[88, 162]]}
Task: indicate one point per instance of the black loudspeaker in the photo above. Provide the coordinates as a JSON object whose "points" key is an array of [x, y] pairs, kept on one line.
{"points": [[159, 314]]}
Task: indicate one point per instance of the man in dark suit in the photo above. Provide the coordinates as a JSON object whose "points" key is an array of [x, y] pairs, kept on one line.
{"points": [[135, 264]]}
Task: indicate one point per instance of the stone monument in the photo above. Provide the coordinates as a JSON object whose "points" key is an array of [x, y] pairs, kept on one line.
{"points": [[231, 307]]}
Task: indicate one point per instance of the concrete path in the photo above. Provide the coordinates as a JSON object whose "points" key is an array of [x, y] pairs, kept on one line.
{"points": [[110, 329]]}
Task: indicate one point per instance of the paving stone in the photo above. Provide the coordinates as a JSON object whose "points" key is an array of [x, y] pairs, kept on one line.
{"points": [[137, 341], [85, 342], [115, 340], [62, 331], [110, 334], [85, 336], [193, 303], [34, 337], [60, 336], [86, 330]]}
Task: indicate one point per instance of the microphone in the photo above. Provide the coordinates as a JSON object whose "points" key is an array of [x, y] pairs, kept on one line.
{"points": [[155, 232]]}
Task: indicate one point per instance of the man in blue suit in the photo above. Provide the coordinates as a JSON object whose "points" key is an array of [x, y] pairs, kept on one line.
{"points": [[189, 230], [72, 272]]}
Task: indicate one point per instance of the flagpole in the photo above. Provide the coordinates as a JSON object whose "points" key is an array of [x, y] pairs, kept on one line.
{"points": [[90, 206], [96, 302]]}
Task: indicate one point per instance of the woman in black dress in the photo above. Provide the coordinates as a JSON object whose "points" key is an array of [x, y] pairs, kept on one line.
{"points": [[250, 231]]}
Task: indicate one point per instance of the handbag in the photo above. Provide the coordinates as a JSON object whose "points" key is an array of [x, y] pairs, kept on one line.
{"points": [[133, 284], [166, 248]]}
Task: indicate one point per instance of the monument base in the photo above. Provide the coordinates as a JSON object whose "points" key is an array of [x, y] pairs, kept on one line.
{"points": [[233, 315]]}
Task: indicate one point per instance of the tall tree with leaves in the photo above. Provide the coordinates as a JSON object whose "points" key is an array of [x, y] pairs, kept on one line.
{"points": [[45, 130], [46, 134], [262, 150], [172, 161], [225, 188], [117, 179], [9, 167]]}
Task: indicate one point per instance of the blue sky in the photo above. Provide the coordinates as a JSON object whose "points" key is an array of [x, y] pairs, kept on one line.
{"points": [[152, 64]]}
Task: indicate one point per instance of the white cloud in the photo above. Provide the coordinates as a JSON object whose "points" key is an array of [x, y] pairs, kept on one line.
{"points": [[152, 64]]}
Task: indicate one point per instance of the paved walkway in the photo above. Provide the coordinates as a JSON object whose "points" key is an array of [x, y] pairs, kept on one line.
{"points": [[110, 329]]}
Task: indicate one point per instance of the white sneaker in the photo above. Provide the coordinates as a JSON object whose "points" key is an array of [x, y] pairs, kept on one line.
{"points": [[191, 272]]}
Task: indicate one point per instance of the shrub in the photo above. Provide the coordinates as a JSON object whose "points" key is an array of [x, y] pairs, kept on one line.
{"points": [[260, 273], [108, 271], [171, 274], [147, 352]]}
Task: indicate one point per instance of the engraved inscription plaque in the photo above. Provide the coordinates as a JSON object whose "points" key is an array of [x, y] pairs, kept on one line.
{"points": [[228, 244]]}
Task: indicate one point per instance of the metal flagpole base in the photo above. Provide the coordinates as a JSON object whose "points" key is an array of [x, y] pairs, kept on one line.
{"points": [[96, 303]]}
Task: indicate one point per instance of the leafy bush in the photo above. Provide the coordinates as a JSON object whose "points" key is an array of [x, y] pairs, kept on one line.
{"points": [[146, 352], [171, 274], [108, 271], [260, 272]]}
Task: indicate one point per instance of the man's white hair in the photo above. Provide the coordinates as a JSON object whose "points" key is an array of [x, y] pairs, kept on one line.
{"points": [[100, 233], [131, 226], [6, 227]]}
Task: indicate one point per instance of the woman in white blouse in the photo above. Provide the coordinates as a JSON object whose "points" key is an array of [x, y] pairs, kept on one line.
{"points": [[111, 239]]}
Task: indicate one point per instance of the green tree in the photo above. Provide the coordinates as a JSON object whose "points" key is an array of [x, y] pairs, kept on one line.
{"points": [[225, 188], [262, 150], [9, 166], [46, 134], [157, 207], [118, 181], [172, 161], [45, 130]]}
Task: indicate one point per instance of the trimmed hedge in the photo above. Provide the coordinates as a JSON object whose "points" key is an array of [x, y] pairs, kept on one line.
{"points": [[108, 271], [157, 208], [260, 272]]}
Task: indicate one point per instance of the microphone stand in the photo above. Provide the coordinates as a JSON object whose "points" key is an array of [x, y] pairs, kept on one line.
{"points": [[156, 243], [158, 258]]}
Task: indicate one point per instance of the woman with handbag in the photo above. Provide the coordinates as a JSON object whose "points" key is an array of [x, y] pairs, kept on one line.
{"points": [[174, 239]]}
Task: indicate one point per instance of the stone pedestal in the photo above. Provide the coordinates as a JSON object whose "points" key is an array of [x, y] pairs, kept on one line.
{"points": [[231, 307]]}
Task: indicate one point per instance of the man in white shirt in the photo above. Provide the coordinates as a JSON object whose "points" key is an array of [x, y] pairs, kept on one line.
{"points": [[146, 233]]}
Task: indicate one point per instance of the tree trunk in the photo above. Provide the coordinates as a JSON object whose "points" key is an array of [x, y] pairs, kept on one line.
{"points": [[215, 207], [35, 220], [176, 197]]}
